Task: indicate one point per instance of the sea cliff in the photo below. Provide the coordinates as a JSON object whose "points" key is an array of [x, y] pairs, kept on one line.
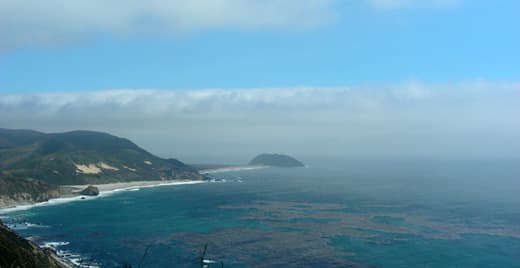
{"points": [[16, 251]]}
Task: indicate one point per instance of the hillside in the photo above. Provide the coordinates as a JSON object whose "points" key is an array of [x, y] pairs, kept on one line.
{"points": [[24, 191], [81, 157], [276, 160], [16, 251]]}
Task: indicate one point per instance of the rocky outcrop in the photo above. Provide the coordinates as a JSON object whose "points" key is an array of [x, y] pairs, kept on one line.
{"points": [[24, 191], [90, 190]]}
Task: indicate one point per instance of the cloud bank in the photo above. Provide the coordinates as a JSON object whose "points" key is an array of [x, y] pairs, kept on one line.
{"points": [[408, 118]]}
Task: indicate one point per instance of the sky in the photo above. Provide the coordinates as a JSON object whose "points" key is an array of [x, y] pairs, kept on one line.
{"points": [[227, 79]]}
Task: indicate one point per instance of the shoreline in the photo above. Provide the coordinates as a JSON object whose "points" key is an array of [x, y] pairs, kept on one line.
{"points": [[125, 186], [106, 189], [231, 168], [72, 195]]}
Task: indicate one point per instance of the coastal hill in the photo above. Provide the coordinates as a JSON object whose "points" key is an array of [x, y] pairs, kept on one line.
{"points": [[33, 163], [14, 191], [19, 252], [276, 160], [83, 157]]}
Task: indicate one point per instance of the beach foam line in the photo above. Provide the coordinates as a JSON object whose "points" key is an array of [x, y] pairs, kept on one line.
{"points": [[63, 200], [53, 245], [139, 187], [76, 259], [50, 202], [229, 169]]}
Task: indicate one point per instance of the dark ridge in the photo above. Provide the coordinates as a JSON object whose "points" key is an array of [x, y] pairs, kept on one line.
{"points": [[276, 160]]}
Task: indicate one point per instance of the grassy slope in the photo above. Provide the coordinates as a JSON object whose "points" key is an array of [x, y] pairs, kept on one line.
{"points": [[34, 189], [16, 251], [52, 158]]}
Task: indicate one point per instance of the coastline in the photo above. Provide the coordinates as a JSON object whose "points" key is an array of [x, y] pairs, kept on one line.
{"points": [[71, 192], [231, 168], [123, 186]]}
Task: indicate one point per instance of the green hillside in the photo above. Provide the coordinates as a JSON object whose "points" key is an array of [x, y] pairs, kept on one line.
{"points": [[81, 157], [16, 251]]}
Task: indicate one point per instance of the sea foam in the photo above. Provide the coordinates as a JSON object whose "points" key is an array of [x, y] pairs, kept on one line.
{"points": [[62, 200]]}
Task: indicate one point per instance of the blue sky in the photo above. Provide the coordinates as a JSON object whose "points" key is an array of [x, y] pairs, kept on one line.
{"points": [[201, 80], [352, 43]]}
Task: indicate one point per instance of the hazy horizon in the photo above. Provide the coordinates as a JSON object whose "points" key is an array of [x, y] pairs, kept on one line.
{"points": [[406, 119]]}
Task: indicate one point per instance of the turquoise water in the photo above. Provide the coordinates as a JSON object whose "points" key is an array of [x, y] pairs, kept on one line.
{"points": [[335, 213]]}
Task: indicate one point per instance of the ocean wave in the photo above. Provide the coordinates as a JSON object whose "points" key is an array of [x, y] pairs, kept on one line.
{"points": [[54, 245], [51, 202], [238, 178], [76, 259], [137, 188], [63, 200], [24, 225]]}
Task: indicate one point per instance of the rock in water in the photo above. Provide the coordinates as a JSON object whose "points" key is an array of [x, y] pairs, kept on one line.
{"points": [[90, 190], [276, 160]]}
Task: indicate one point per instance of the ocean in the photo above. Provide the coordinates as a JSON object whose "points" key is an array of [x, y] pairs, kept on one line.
{"points": [[352, 212]]}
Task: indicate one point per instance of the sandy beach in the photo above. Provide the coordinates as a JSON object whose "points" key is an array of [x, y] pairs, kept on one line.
{"points": [[70, 192], [121, 186], [231, 168]]}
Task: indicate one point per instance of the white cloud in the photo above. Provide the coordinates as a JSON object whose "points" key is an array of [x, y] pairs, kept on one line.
{"points": [[36, 22], [59, 22], [411, 117]]}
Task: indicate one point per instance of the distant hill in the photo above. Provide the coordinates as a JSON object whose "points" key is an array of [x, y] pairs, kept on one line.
{"points": [[82, 157], [276, 160]]}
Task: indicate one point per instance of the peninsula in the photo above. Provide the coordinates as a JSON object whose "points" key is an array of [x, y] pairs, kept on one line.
{"points": [[35, 166]]}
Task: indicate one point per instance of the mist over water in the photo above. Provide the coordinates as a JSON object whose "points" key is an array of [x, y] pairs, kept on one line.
{"points": [[362, 211]]}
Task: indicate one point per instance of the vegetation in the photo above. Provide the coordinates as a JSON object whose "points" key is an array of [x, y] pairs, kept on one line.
{"points": [[54, 158], [10, 186], [33, 164], [18, 252]]}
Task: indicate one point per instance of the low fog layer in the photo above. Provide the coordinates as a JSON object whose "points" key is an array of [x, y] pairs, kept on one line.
{"points": [[474, 118]]}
